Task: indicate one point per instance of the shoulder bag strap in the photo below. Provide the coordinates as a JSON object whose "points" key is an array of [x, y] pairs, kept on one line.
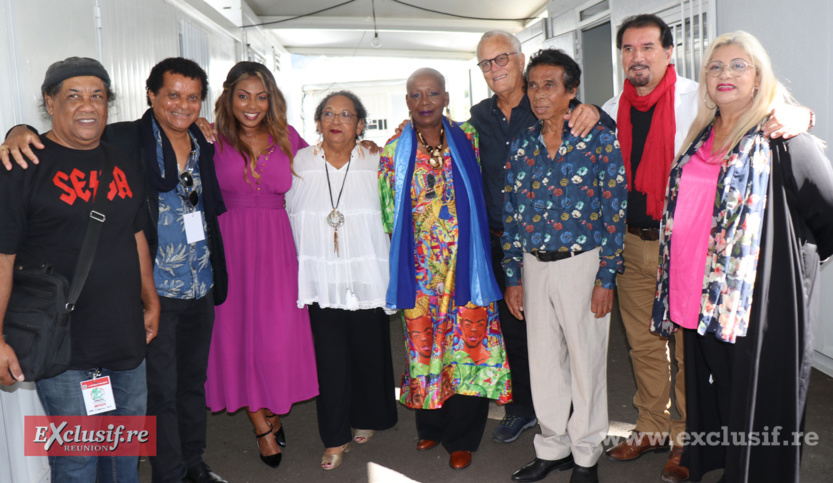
{"points": [[97, 218]]}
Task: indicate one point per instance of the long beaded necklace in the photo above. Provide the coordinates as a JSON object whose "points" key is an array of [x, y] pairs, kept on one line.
{"points": [[335, 219], [435, 153]]}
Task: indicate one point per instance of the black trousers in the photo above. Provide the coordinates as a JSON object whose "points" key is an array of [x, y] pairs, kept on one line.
{"points": [[355, 372], [458, 425], [720, 384], [514, 337], [176, 365]]}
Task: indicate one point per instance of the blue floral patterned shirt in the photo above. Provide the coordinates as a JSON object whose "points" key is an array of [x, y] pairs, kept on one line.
{"points": [[182, 270], [575, 202]]}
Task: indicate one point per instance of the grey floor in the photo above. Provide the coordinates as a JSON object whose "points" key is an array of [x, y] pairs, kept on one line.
{"points": [[391, 455]]}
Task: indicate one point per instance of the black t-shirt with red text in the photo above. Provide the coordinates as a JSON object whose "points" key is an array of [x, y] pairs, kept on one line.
{"points": [[44, 213]]}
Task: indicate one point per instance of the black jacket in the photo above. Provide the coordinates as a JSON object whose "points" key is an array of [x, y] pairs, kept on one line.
{"points": [[128, 137]]}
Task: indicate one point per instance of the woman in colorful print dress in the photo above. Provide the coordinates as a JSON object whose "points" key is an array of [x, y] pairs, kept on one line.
{"points": [[746, 222], [441, 277], [262, 356]]}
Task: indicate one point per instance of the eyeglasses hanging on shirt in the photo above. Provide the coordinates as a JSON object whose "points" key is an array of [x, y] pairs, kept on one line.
{"points": [[187, 181], [193, 222]]}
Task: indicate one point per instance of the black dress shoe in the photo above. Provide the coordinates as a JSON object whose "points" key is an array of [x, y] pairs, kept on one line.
{"points": [[538, 469], [201, 473], [583, 474], [280, 438], [273, 460]]}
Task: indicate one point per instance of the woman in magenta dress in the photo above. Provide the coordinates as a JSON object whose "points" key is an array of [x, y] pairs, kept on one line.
{"points": [[262, 357]]}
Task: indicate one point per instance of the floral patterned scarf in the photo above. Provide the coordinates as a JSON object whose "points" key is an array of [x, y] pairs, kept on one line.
{"points": [[734, 241]]}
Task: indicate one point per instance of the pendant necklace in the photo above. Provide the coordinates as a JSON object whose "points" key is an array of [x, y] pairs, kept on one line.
{"points": [[435, 153], [335, 219]]}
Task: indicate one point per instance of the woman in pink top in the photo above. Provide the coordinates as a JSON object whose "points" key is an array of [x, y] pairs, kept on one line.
{"points": [[747, 221]]}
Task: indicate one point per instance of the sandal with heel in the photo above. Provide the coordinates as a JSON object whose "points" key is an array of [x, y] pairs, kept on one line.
{"points": [[331, 461], [362, 436]]}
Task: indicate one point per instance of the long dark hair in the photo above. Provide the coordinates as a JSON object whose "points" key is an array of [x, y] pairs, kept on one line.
{"points": [[229, 127]]}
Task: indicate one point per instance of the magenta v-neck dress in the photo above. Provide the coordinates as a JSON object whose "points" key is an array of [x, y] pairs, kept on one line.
{"points": [[261, 351]]}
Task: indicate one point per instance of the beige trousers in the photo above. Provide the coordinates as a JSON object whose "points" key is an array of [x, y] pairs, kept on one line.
{"points": [[649, 353], [567, 357]]}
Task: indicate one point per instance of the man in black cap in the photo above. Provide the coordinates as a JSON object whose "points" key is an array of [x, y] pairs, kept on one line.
{"points": [[44, 218], [182, 190]]}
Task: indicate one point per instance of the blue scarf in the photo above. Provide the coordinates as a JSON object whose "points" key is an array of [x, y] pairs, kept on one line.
{"points": [[475, 281]]}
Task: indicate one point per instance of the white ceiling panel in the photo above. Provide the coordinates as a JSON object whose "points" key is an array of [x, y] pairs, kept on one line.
{"points": [[348, 28]]}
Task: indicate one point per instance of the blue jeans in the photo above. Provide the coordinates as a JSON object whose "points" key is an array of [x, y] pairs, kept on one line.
{"points": [[61, 396]]}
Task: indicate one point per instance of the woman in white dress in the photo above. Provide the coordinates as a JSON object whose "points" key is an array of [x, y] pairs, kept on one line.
{"points": [[343, 276]]}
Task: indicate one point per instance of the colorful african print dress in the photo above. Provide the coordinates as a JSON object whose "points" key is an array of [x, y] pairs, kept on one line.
{"points": [[452, 349]]}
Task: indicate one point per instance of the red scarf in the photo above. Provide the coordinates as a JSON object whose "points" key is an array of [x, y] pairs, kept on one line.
{"points": [[652, 175]]}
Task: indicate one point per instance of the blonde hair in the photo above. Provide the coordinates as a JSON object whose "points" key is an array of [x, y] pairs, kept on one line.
{"points": [[770, 91]]}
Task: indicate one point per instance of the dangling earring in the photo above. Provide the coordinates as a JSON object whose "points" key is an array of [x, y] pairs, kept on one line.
{"points": [[319, 145], [448, 114], [755, 92], [705, 101]]}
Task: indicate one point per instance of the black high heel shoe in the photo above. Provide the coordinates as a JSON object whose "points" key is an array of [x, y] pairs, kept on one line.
{"points": [[273, 460], [280, 438]]}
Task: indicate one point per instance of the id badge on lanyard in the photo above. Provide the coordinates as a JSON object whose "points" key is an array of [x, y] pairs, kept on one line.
{"points": [[98, 394]]}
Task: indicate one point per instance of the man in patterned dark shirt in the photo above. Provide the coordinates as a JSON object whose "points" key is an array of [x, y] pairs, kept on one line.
{"points": [[564, 223], [499, 119]]}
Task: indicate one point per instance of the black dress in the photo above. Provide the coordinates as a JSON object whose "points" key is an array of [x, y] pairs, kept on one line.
{"points": [[760, 382]]}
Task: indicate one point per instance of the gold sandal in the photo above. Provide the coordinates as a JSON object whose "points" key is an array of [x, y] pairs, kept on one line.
{"points": [[362, 436], [331, 461]]}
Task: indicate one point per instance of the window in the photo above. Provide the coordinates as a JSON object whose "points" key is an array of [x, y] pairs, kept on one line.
{"points": [[377, 124], [593, 10], [193, 44], [692, 25]]}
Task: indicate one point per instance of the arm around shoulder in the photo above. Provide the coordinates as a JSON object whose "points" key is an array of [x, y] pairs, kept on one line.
{"points": [[18, 146]]}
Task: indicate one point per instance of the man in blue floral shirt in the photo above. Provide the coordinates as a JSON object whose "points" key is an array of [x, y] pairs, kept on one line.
{"points": [[564, 225]]}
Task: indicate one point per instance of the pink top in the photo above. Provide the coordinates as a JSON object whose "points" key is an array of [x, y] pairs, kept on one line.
{"points": [[690, 235]]}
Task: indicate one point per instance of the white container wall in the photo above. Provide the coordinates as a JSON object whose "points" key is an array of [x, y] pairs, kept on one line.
{"points": [[128, 37], [15, 403]]}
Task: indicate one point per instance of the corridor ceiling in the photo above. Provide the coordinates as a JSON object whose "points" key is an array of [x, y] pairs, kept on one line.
{"points": [[436, 28]]}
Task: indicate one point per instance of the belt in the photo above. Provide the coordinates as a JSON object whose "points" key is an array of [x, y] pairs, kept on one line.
{"points": [[647, 234], [543, 256]]}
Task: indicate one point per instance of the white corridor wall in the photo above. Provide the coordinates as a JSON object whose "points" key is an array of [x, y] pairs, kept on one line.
{"points": [[128, 37]]}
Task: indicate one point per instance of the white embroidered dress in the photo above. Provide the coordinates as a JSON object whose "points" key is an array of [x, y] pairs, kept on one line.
{"points": [[356, 277]]}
